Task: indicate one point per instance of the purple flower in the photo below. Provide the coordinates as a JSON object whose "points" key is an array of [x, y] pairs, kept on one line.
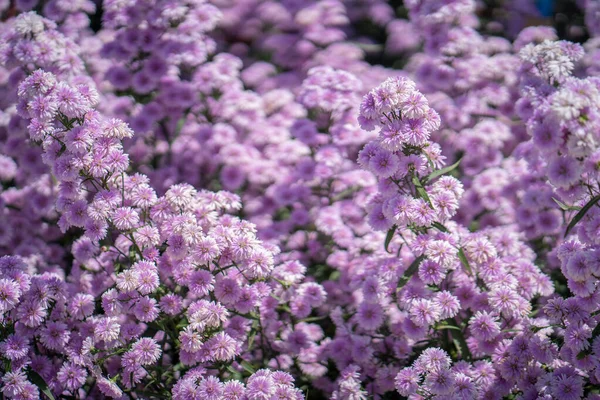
{"points": [[9, 294], [71, 376], [370, 316], [407, 382]]}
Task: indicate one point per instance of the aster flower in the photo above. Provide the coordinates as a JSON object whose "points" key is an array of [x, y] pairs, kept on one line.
{"points": [[9, 294], [71, 376], [370, 316], [407, 381]]}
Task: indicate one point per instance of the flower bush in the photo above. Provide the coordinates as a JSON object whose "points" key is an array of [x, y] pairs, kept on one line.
{"points": [[283, 200]]}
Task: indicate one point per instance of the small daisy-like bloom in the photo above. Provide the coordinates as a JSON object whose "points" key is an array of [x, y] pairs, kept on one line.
{"points": [[296, 341], [432, 359], [107, 329], [115, 128], [313, 293], [480, 249], [424, 312], [31, 313], [448, 304], [109, 388], [233, 390], [147, 236], [282, 378], [148, 281], [210, 388], [259, 265], [71, 376], [9, 294], [440, 381], [143, 196], [565, 387], [191, 340], [82, 306], [384, 163], [377, 219], [415, 106], [369, 316], [125, 218], [578, 267], [464, 388], [577, 337], [180, 195], [55, 335], [222, 347], [248, 299], [415, 131], [227, 290], [505, 300], [206, 250], [147, 351], [431, 273], [110, 302], [128, 280], [260, 387], [43, 107], [407, 382], [445, 203], [484, 326], [441, 252], [69, 100], [420, 212], [171, 304], [14, 347], [564, 171], [201, 283], [145, 309], [397, 208], [392, 137], [14, 383]]}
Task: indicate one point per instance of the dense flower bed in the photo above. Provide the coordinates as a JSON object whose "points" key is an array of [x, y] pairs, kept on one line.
{"points": [[286, 200]]}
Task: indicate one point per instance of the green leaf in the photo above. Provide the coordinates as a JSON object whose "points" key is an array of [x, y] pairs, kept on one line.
{"points": [[442, 171], [439, 227], [248, 367], [313, 319], [388, 237], [565, 207], [409, 272], [420, 189], [457, 335], [38, 381], [251, 340], [448, 327], [581, 214], [463, 259]]}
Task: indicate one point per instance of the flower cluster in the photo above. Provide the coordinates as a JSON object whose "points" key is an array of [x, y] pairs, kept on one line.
{"points": [[268, 200]]}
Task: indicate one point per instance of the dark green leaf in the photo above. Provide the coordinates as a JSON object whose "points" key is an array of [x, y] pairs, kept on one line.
{"points": [[313, 319], [251, 340], [439, 227], [459, 337], [448, 327], [410, 272], [388, 237], [38, 381], [463, 259], [443, 171], [565, 207], [581, 214], [248, 367], [420, 189]]}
